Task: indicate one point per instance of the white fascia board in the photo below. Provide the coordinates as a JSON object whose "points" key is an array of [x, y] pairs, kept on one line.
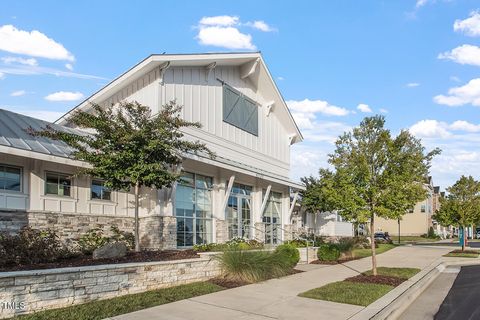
{"points": [[41, 156]]}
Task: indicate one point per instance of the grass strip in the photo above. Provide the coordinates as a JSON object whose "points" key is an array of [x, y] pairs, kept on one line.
{"points": [[102, 309]]}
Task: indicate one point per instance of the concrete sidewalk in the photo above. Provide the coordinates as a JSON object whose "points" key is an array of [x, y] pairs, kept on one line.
{"points": [[277, 298]]}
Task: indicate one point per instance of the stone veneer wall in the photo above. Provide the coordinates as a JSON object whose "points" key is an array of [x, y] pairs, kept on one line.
{"points": [[156, 232], [12, 221], [221, 231], [56, 288]]}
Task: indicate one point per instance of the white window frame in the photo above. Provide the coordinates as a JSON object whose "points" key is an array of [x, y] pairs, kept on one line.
{"points": [[68, 176]]}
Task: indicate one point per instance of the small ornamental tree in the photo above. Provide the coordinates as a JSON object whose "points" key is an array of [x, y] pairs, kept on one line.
{"points": [[375, 175], [461, 206], [128, 147]]}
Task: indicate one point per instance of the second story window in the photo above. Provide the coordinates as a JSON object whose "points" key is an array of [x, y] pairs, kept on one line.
{"points": [[58, 184], [10, 178], [423, 208], [239, 110], [99, 191]]}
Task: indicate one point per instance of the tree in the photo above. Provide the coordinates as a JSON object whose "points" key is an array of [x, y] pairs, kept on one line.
{"points": [[128, 147], [375, 175], [461, 206]]}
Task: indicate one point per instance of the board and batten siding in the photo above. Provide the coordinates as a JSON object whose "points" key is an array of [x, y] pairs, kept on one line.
{"points": [[201, 95]]}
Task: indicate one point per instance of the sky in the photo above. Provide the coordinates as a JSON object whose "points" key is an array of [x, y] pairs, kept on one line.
{"points": [[416, 62]]}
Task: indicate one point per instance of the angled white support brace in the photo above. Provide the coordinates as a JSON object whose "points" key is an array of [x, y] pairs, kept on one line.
{"points": [[163, 67], [227, 193], [208, 70], [292, 205], [265, 199], [269, 106], [249, 68], [291, 138]]}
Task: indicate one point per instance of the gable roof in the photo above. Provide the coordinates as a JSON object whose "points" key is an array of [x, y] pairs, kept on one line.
{"points": [[265, 81]]}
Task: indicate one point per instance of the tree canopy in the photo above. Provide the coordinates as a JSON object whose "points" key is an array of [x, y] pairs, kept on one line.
{"points": [[374, 175], [126, 146], [461, 207]]}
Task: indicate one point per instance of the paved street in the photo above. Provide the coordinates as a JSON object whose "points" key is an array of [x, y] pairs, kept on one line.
{"points": [[277, 298], [462, 299]]}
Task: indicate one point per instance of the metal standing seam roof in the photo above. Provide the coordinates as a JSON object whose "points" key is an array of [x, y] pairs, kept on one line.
{"points": [[13, 134]]}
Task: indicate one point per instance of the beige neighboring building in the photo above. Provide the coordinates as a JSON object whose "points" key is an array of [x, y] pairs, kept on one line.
{"points": [[415, 222]]}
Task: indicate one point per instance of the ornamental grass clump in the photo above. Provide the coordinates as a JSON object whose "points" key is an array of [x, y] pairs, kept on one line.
{"points": [[253, 266]]}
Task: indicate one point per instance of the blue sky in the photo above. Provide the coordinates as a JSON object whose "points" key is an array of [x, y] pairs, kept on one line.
{"points": [[415, 61]]}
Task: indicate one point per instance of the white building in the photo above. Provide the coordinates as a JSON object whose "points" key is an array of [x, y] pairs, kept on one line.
{"points": [[244, 191]]}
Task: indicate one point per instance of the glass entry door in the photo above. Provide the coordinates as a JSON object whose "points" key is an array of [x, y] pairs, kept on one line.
{"points": [[239, 211], [271, 218]]}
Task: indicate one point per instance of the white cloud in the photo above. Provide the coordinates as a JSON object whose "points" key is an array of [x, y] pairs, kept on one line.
{"points": [[224, 31], [465, 54], [225, 21], [64, 96], [18, 93], [226, 37], [429, 128], [2, 75], [313, 106], [382, 110], [455, 79], [469, 26], [33, 43], [261, 25], [364, 108], [461, 125], [280, 78], [413, 84], [28, 62], [46, 115], [37, 70], [69, 66], [459, 96], [421, 3]]}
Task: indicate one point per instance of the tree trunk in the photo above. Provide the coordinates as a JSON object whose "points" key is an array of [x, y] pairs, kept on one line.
{"points": [[463, 238], [372, 238], [137, 222]]}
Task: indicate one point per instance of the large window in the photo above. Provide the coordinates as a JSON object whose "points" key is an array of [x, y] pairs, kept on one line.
{"points": [[10, 178], [193, 209], [99, 191], [238, 211], [239, 111], [58, 184], [272, 218]]}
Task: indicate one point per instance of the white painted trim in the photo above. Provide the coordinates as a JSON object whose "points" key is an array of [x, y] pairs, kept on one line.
{"points": [[292, 205], [228, 190], [265, 199]]}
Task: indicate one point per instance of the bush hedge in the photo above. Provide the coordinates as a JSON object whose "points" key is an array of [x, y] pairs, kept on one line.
{"points": [[290, 252], [328, 252]]}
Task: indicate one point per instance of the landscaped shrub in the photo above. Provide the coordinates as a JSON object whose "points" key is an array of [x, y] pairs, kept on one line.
{"points": [[328, 252], [30, 246], [92, 240], [253, 266], [235, 243], [297, 243], [345, 245], [361, 242], [95, 238], [290, 252]]}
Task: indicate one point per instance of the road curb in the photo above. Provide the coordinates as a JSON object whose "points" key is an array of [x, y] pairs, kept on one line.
{"points": [[395, 302]]}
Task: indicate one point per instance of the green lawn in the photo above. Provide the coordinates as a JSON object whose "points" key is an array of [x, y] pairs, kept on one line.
{"points": [[460, 254], [404, 273], [361, 294], [357, 293], [102, 309], [362, 253]]}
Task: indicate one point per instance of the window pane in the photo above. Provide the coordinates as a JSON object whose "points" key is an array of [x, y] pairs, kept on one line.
{"points": [[51, 188], [12, 185], [96, 191], [107, 194], [52, 179]]}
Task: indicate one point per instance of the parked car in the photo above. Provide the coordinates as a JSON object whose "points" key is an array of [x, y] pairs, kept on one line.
{"points": [[382, 237]]}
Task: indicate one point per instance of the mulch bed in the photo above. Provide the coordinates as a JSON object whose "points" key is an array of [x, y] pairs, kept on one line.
{"points": [[230, 283], [343, 260], [378, 279], [465, 251], [80, 261]]}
